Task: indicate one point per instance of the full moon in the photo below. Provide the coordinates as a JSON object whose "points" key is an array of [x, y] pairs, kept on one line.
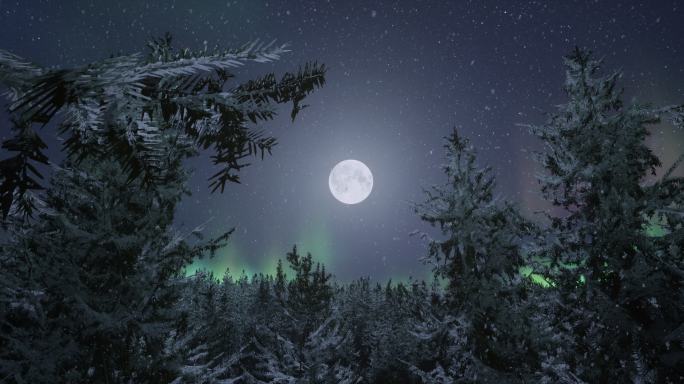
{"points": [[350, 181]]}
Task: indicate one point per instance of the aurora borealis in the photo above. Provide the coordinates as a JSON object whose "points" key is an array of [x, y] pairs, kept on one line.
{"points": [[401, 74]]}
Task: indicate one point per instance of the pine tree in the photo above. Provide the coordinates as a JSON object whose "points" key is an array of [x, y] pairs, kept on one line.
{"points": [[309, 292], [97, 273], [308, 300], [144, 108], [105, 261], [357, 309], [480, 257], [280, 281], [596, 162]]}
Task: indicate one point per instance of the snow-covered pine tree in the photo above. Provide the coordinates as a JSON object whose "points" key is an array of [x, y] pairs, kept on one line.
{"points": [[91, 284], [280, 284], [357, 308], [618, 286], [449, 358], [106, 265], [130, 105], [665, 205], [388, 336], [309, 296], [479, 255]]}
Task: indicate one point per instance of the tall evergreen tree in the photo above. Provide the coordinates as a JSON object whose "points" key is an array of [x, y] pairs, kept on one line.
{"points": [[308, 300], [480, 256], [106, 265], [280, 281], [627, 308]]}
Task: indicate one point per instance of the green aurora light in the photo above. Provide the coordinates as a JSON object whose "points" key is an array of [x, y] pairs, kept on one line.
{"points": [[315, 239]]}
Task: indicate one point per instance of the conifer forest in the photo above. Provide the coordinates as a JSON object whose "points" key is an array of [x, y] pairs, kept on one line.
{"points": [[504, 198]]}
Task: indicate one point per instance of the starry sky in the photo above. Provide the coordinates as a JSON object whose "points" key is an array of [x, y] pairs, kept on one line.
{"points": [[401, 75]]}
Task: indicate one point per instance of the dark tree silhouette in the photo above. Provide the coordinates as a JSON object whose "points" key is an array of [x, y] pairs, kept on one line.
{"points": [[145, 108], [89, 291], [629, 304]]}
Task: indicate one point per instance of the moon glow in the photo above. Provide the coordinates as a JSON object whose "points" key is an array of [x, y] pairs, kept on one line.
{"points": [[350, 181]]}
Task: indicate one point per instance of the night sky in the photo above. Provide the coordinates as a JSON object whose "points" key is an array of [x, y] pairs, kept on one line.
{"points": [[401, 75]]}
